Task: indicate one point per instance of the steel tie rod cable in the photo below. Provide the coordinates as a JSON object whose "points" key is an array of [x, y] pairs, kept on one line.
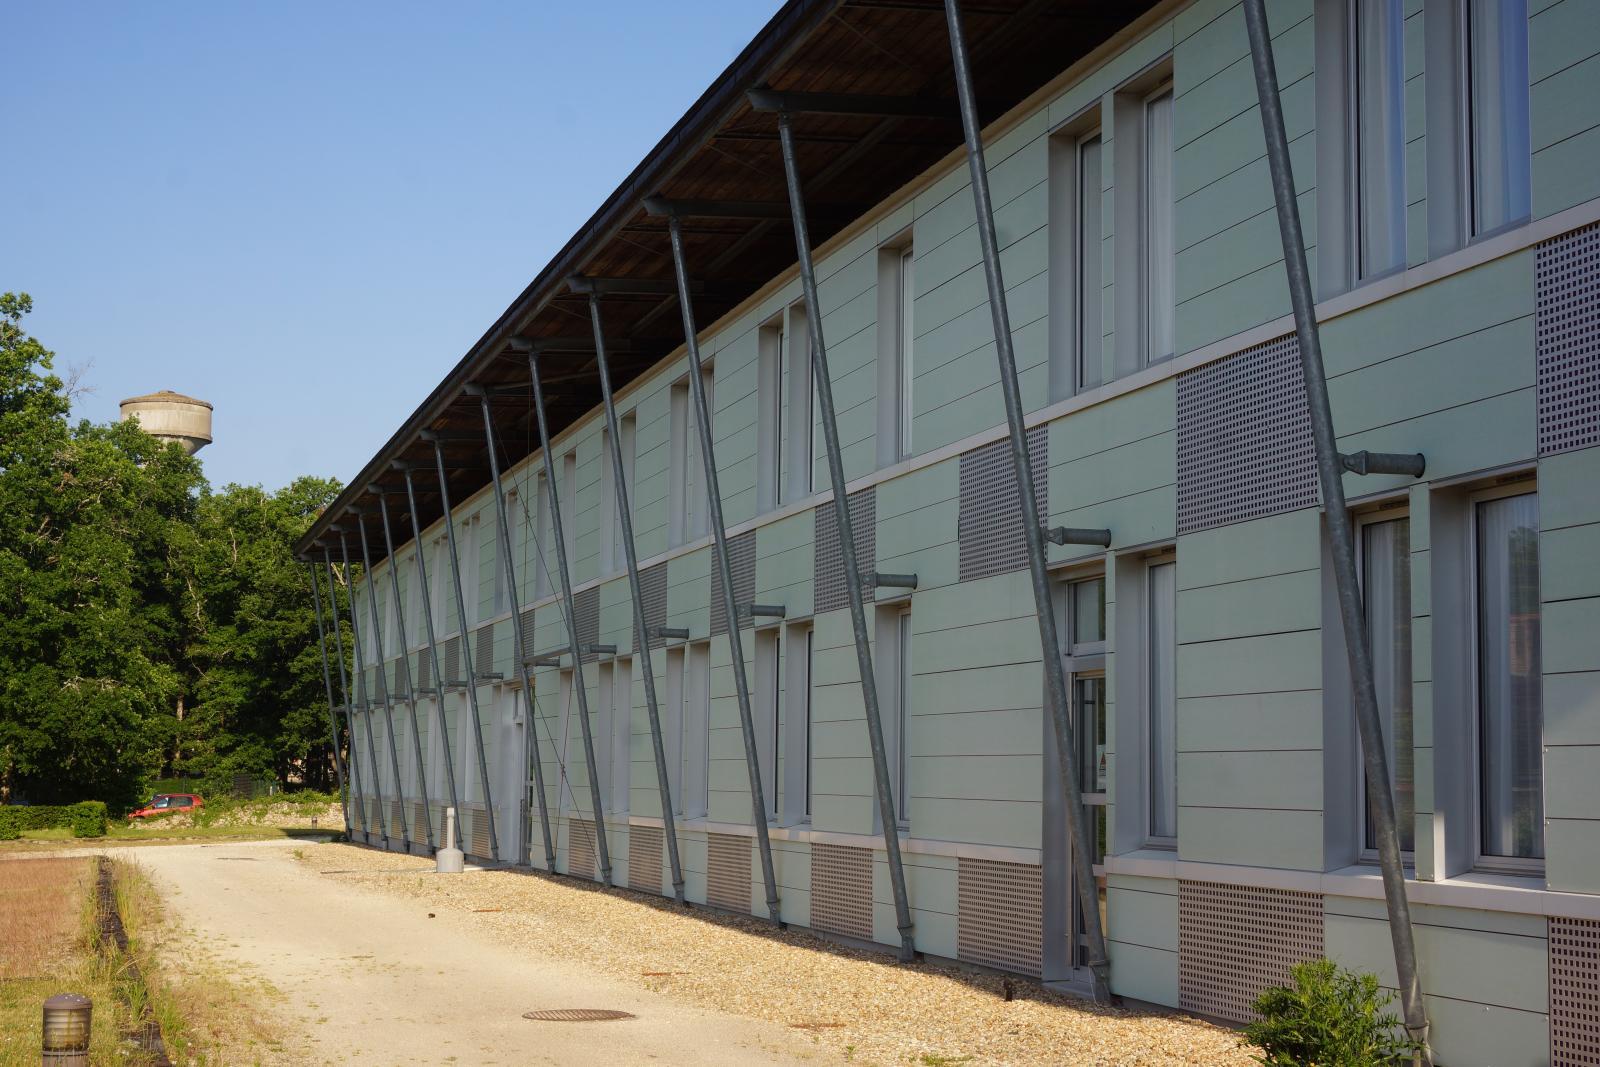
{"points": [[327, 685], [467, 664], [433, 644], [1341, 535], [1055, 677], [719, 534], [405, 659], [640, 637], [383, 680], [578, 688], [517, 637]]}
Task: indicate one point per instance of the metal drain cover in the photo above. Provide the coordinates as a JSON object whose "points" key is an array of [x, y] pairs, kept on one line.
{"points": [[575, 1015]]}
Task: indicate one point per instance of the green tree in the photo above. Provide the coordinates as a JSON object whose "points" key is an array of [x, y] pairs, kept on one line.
{"points": [[92, 524]]}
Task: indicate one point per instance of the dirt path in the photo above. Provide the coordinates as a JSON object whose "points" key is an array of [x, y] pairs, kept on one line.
{"points": [[374, 980]]}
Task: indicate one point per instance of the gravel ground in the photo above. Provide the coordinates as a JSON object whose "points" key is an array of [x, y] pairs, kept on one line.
{"points": [[858, 1004]]}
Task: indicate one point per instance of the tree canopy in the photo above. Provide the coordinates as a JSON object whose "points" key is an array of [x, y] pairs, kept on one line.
{"points": [[154, 626]]}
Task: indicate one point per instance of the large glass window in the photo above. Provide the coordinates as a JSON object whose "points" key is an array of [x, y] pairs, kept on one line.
{"points": [[1385, 547], [1499, 141], [1510, 715], [1158, 235], [1377, 110], [1161, 581]]}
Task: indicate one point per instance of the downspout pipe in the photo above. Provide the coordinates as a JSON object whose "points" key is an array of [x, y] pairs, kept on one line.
{"points": [[578, 689], [517, 638], [1082, 839], [383, 681], [375, 772], [887, 813], [641, 641], [468, 665], [433, 643], [405, 659], [327, 685], [719, 538], [1341, 534]]}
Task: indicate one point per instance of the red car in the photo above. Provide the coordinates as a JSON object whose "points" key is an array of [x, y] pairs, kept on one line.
{"points": [[167, 803]]}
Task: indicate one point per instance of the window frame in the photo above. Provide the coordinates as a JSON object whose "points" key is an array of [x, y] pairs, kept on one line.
{"points": [[1147, 704], [1149, 357], [1514, 865], [1386, 511]]}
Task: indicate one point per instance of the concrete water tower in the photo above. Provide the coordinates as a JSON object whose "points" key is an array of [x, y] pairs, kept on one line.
{"points": [[170, 416]]}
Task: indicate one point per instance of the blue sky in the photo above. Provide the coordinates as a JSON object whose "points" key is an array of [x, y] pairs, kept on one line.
{"points": [[305, 213]]}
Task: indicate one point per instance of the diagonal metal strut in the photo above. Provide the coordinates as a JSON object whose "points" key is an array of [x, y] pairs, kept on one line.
{"points": [[405, 660], [344, 691], [1055, 678], [374, 771], [383, 680], [327, 684], [1341, 535]]}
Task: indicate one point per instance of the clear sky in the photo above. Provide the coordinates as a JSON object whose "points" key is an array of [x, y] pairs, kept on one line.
{"points": [[305, 213]]}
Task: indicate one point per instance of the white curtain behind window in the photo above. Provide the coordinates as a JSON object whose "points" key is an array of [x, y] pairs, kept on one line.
{"points": [[1158, 224], [1386, 588], [1497, 86], [1511, 721], [1380, 144], [1163, 701]]}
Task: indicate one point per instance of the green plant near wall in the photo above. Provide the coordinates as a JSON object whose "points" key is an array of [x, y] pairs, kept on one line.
{"points": [[87, 818], [1328, 1017]]}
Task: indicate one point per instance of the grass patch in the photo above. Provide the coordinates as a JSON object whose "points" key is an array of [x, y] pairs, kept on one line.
{"points": [[47, 923]]}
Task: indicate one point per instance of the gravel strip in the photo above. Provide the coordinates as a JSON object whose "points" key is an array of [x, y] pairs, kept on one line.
{"points": [[858, 1004]]}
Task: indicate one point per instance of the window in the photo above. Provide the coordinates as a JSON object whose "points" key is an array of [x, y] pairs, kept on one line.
{"points": [[613, 552], [621, 734], [1377, 135], [896, 368], [1508, 696], [569, 501], [1479, 134], [672, 726], [796, 725], [1086, 259], [1081, 615], [801, 441], [1161, 610], [604, 724], [686, 501], [1158, 235], [696, 730], [541, 537], [769, 709], [902, 716], [1498, 135], [1384, 546], [1076, 257], [772, 342]]}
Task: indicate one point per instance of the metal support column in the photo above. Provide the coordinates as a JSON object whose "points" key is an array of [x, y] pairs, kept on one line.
{"points": [[374, 772], [641, 643], [433, 641], [1341, 534], [719, 533], [887, 812], [327, 685], [383, 681], [468, 665], [516, 638], [1082, 843], [405, 658], [578, 691]]}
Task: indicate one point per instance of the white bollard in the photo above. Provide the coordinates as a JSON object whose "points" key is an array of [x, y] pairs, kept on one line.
{"points": [[449, 860]]}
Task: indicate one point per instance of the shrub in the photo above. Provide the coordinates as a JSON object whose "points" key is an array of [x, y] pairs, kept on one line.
{"points": [[1330, 1017], [87, 818]]}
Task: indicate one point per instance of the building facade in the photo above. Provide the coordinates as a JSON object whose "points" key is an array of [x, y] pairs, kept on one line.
{"points": [[1447, 162]]}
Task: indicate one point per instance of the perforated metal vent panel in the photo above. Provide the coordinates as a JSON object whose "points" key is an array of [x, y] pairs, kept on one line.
{"points": [[580, 847], [526, 623], [1000, 918], [1574, 992], [586, 614], [1235, 941], [483, 649], [728, 872], [841, 890], [1567, 340], [989, 526], [742, 562], [830, 590], [653, 591], [644, 858], [1244, 438], [477, 831], [452, 660]]}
